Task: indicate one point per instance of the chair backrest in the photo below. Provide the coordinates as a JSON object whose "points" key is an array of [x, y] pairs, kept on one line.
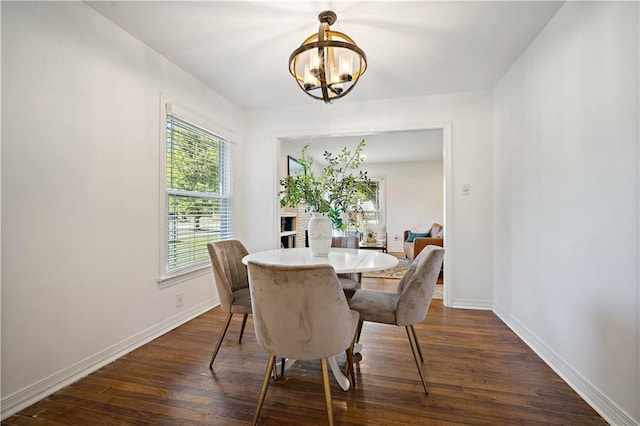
{"points": [[299, 312], [345, 242], [229, 273], [437, 230], [417, 285]]}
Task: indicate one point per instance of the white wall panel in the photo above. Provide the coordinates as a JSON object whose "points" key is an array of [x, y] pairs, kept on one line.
{"points": [[80, 189], [469, 115], [566, 200]]}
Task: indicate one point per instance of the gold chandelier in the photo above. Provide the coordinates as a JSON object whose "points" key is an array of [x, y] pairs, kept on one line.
{"points": [[325, 61]]}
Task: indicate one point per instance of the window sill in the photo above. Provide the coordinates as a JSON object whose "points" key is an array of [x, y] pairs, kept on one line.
{"points": [[180, 277]]}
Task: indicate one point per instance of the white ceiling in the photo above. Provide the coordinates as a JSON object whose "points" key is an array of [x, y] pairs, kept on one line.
{"points": [[393, 147], [241, 49]]}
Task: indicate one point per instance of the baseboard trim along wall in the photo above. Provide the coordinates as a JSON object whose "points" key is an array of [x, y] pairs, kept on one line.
{"points": [[17, 401], [472, 304], [597, 400]]}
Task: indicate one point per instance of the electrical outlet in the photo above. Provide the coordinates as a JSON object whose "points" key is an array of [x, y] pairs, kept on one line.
{"points": [[179, 298]]}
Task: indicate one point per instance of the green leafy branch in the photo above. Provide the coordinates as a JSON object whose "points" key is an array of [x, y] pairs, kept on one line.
{"points": [[333, 190]]}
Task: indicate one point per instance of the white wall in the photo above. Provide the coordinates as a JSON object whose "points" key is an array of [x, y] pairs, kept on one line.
{"points": [[80, 194], [414, 197], [470, 116], [566, 201]]}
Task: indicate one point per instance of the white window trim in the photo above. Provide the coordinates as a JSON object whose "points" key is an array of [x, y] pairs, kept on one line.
{"points": [[167, 105]]}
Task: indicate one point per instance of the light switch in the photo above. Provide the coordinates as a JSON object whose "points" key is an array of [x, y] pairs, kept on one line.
{"points": [[466, 189]]}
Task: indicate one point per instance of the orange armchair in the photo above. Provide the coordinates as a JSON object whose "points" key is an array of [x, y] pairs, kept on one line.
{"points": [[413, 248]]}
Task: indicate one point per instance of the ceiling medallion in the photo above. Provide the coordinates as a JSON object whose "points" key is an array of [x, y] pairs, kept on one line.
{"points": [[326, 60]]}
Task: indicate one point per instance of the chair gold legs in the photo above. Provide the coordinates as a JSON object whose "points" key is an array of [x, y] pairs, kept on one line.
{"points": [[415, 349], [359, 330], [349, 369], [244, 322], [265, 385], [415, 336], [224, 331], [416, 355], [327, 390]]}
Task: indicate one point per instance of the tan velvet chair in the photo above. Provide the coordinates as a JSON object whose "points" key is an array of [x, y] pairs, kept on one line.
{"points": [[300, 312], [408, 305], [350, 281], [232, 282]]}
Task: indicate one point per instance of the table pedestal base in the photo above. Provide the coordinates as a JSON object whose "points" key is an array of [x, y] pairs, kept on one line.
{"points": [[342, 380]]}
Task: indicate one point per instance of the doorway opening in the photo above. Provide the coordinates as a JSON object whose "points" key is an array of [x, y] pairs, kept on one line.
{"points": [[389, 145]]}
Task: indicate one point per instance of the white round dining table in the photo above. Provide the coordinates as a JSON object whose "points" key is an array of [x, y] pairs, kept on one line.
{"points": [[343, 260]]}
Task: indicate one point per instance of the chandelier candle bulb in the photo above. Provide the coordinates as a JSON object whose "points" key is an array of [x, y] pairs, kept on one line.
{"points": [[314, 63], [310, 82], [334, 75], [346, 67], [336, 85]]}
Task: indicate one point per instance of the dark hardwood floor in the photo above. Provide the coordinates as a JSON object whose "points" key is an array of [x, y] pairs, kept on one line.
{"points": [[478, 370]]}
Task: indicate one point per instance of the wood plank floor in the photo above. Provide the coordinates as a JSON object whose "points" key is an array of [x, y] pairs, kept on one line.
{"points": [[478, 370]]}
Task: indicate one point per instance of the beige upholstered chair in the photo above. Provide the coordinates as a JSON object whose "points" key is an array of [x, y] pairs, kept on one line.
{"points": [[408, 305], [300, 312], [350, 282], [232, 282]]}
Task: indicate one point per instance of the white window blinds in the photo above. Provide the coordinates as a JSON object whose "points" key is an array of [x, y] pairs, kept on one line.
{"points": [[198, 193]]}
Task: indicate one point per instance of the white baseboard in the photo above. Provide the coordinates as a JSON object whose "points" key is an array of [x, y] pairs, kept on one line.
{"points": [[21, 399], [613, 414], [472, 304]]}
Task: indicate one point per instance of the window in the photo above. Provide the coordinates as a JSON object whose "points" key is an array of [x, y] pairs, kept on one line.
{"points": [[369, 209], [198, 193], [371, 205]]}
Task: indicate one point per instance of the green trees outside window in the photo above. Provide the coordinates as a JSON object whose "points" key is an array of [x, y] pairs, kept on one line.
{"points": [[198, 193]]}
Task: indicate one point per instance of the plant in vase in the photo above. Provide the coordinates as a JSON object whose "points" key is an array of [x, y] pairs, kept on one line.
{"points": [[328, 194]]}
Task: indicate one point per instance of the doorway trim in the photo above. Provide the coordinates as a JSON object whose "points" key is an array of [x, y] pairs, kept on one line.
{"points": [[447, 163]]}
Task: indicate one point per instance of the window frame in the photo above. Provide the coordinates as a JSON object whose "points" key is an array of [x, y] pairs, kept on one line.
{"points": [[167, 107], [380, 213]]}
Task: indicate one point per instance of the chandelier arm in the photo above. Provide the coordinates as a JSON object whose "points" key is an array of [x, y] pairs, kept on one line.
{"points": [[321, 68]]}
